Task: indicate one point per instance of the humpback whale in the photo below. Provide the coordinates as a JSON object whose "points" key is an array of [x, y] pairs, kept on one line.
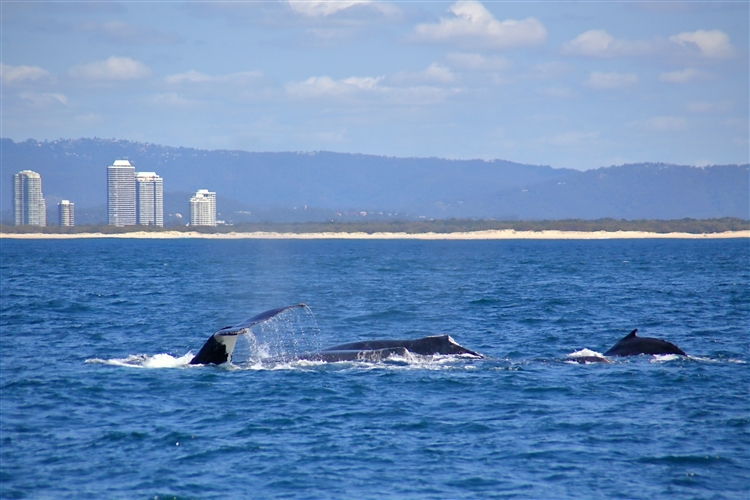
{"points": [[219, 346], [633, 345], [376, 350]]}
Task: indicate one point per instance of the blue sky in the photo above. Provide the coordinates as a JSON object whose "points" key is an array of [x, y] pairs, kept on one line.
{"points": [[567, 84]]}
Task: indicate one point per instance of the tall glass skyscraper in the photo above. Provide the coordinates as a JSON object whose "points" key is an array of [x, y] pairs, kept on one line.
{"points": [[149, 195], [203, 208], [121, 194], [28, 203]]}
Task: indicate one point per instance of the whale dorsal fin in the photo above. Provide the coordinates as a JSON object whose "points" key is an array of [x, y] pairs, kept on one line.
{"points": [[631, 335]]}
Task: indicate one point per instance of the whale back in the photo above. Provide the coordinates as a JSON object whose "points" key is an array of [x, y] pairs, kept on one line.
{"points": [[426, 346], [633, 345]]}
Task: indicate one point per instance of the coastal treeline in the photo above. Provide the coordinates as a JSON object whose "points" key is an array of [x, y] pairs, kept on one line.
{"points": [[692, 226]]}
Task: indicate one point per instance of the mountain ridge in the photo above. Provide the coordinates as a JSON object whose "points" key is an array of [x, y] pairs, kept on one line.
{"points": [[329, 184]]}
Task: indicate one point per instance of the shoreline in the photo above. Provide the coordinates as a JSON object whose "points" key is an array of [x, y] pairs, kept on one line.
{"points": [[504, 234]]}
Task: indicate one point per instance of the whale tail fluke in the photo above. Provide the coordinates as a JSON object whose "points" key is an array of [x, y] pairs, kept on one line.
{"points": [[219, 346]]}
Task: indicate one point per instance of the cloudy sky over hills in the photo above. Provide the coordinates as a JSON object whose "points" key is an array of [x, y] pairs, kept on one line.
{"points": [[578, 85]]}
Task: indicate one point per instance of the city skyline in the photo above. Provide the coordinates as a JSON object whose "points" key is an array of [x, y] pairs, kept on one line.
{"points": [[133, 198]]}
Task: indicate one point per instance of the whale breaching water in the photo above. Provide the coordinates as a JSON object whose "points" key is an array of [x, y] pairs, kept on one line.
{"points": [[633, 345], [219, 346]]}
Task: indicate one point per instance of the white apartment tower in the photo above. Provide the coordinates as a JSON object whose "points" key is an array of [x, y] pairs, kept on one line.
{"points": [[203, 208], [149, 198], [28, 203], [121, 194], [65, 213]]}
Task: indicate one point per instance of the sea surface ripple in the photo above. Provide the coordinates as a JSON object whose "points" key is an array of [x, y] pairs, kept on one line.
{"points": [[97, 399]]}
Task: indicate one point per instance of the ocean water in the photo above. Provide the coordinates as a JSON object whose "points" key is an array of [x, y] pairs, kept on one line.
{"points": [[97, 399]]}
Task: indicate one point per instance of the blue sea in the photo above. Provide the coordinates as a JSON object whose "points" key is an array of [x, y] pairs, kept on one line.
{"points": [[98, 400]]}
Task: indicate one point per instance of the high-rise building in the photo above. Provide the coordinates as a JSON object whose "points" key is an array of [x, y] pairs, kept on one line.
{"points": [[203, 208], [28, 203], [149, 196], [121, 194], [66, 214]]}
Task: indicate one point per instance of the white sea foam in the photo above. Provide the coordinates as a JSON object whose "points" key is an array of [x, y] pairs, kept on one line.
{"points": [[146, 361], [717, 360], [407, 361], [663, 358], [585, 353]]}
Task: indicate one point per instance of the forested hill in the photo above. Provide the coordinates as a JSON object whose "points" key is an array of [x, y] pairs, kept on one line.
{"points": [[269, 184]]}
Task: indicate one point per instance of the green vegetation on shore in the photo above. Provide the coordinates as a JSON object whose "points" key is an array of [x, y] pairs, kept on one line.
{"points": [[692, 226]]}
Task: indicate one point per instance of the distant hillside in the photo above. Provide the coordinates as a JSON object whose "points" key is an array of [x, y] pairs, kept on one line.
{"points": [[289, 187], [640, 191]]}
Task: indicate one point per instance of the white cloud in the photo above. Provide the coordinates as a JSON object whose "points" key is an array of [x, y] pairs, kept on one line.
{"points": [[599, 43], [477, 62], [473, 25], [114, 68], [682, 76], [194, 77], [433, 74], [599, 80], [713, 44], [318, 8], [364, 82], [191, 76], [18, 74], [370, 88], [324, 8], [172, 99], [710, 107], [43, 99], [325, 86], [662, 123]]}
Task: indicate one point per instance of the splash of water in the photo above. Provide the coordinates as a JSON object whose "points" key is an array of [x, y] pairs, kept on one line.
{"points": [[287, 335], [585, 353], [146, 361]]}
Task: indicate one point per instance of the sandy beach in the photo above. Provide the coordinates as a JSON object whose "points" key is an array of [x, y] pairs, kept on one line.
{"points": [[507, 234]]}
